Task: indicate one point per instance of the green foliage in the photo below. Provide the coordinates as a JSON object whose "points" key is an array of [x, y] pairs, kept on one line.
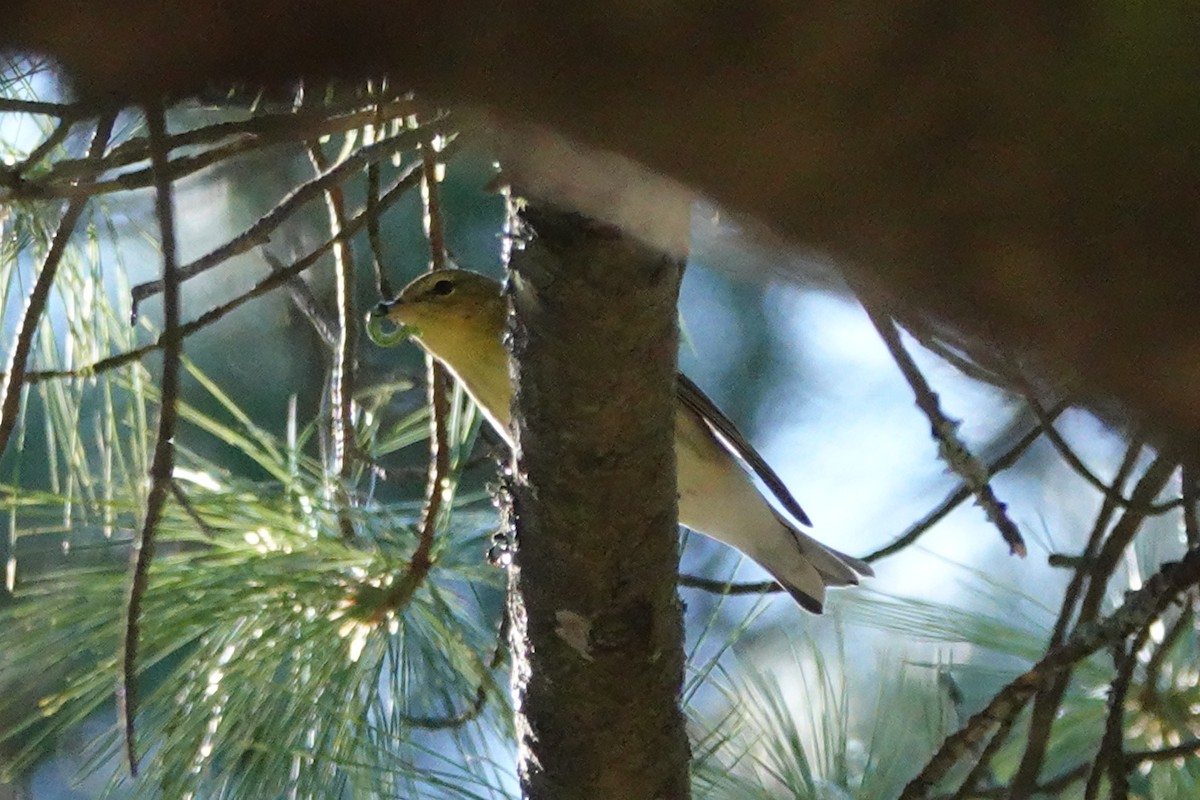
{"points": [[271, 661], [803, 737]]}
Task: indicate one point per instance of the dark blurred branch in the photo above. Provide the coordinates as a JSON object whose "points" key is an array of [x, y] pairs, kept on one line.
{"points": [[925, 149]]}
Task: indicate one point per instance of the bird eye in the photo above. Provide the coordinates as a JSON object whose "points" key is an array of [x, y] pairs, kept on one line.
{"points": [[442, 287]]}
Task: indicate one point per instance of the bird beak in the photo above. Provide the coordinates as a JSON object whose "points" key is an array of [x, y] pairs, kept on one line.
{"points": [[383, 330]]}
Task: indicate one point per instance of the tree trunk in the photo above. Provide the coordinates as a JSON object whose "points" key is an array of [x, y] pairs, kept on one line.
{"points": [[597, 629]]}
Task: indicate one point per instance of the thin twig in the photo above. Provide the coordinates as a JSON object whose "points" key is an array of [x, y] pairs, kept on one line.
{"points": [[77, 178], [1139, 609], [163, 462], [1130, 522], [186, 504], [1111, 756], [481, 692], [383, 286], [263, 129], [260, 232], [52, 141], [728, 587], [961, 494], [306, 302], [1186, 748], [439, 402], [993, 376], [49, 187], [438, 385], [402, 185], [35, 303], [435, 226], [1003, 729], [1104, 517], [1076, 463], [1050, 696], [341, 377], [61, 110], [952, 450]]}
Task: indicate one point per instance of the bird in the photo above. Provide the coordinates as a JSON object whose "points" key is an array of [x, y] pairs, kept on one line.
{"points": [[459, 318]]}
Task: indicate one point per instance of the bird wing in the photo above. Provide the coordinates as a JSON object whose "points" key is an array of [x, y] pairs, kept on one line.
{"points": [[733, 441]]}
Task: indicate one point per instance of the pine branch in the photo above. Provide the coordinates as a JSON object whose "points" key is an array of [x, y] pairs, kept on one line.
{"points": [[162, 466], [961, 494], [406, 181], [438, 386], [1076, 463], [35, 303], [1050, 697], [1140, 608], [953, 452], [260, 232], [341, 374]]}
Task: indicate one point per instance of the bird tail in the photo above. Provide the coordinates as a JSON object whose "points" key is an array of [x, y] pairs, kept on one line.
{"points": [[810, 567]]}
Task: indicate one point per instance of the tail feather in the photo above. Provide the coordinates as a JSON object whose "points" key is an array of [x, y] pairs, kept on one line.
{"points": [[837, 568], [804, 583], [805, 600], [808, 567]]}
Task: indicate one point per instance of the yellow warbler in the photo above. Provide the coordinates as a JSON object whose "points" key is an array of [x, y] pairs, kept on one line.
{"points": [[459, 317]]}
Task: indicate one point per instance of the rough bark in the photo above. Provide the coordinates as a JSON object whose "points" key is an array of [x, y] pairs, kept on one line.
{"points": [[1025, 171], [597, 627]]}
